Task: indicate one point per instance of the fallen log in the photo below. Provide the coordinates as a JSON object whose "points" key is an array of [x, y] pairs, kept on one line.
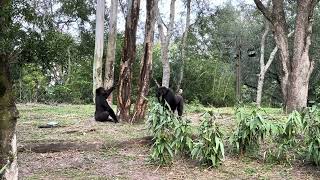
{"points": [[59, 146]]}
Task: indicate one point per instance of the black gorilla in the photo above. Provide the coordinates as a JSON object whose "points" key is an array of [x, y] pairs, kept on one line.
{"points": [[175, 101], [103, 110]]}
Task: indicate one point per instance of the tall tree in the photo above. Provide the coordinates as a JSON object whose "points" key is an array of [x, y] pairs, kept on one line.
{"points": [[127, 59], [111, 47], [165, 42], [98, 50], [8, 110], [146, 62], [183, 44], [297, 67], [265, 66]]}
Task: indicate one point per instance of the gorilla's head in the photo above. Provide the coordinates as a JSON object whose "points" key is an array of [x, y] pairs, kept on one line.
{"points": [[161, 91], [100, 91]]}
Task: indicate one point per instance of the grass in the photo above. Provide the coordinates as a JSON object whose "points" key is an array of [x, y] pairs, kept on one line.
{"points": [[129, 162]]}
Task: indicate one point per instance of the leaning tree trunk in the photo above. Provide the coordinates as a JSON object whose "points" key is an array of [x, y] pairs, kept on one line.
{"points": [[8, 119], [111, 48], [165, 42], [98, 50], [146, 63], [301, 65], [183, 45], [128, 57]]}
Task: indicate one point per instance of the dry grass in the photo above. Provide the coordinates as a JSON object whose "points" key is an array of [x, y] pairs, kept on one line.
{"points": [[126, 161]]}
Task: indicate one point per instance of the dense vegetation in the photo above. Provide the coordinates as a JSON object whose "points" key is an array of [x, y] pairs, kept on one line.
{"points": [[56, 51]]}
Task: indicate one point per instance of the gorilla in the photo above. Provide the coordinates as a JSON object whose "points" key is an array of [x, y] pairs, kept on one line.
{"points": [[175, 101], [103, 110]]}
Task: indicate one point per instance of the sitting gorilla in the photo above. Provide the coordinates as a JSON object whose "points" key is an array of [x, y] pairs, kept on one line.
{"points": [[103, 110], [175, 101]]}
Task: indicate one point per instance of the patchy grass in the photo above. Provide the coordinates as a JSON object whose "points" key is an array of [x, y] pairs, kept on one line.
{"points": [[128, 161]]}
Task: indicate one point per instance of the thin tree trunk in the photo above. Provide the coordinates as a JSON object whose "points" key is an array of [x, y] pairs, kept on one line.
{"points": [[165, 42], [69, 66], [111, 49], [8, 119], [183, 44], [128, 57], [98, 50], [262, 65], [146, 63]]}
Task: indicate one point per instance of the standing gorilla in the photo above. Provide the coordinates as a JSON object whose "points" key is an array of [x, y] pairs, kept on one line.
{"points": [[103, 110], [175, 101]]}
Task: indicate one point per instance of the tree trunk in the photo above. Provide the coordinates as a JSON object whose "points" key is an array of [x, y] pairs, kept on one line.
{"points": [[301, 65], [8, 110], [8, 119], [111, 49], [98, 50], [146, 62], [183, 45], [128, 57], [165, 42], [69, 66], [297, 70]]}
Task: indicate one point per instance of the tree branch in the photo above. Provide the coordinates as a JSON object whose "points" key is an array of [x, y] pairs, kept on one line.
{"points": [[264, 10]]}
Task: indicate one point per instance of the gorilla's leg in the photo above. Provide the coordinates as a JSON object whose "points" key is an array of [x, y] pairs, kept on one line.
{"points": [[103, 117], [113, 115], [179, 104]]}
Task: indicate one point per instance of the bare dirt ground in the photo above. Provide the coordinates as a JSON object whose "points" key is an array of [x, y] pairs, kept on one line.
{"points": [[91, 150]]}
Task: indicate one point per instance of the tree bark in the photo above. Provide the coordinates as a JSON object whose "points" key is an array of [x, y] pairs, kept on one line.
{"points": [[69, 66], [8, 119], [8, 110], [262, 65], [128, 57], [183, 45], [146, 63], [165, 42], [296, 71], [301, 65], [111, 48], [98, 50]]}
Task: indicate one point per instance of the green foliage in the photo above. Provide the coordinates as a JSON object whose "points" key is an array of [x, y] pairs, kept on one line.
{"points": [[287, 137], [209, 147], [161, 126], [171, 135], [300, 135], [250, 130], [182, 136], [312, 131]]}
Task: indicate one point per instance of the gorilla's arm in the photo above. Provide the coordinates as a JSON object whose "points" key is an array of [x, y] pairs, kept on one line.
{"points": [[109, 91]]}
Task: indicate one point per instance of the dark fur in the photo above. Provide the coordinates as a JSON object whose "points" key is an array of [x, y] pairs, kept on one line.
{"points": [[103, 110], [167, 95]]}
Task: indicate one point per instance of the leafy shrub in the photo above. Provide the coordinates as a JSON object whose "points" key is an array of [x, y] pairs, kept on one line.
{"points": [[161, 125], [251, 129], [209, 147], [182, 136], [312, 132]]}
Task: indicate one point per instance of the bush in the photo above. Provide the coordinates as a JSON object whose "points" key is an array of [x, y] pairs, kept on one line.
{"points": [[250, 130], [182, 136], [161, 126], [209, 147], [312, 131]]}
